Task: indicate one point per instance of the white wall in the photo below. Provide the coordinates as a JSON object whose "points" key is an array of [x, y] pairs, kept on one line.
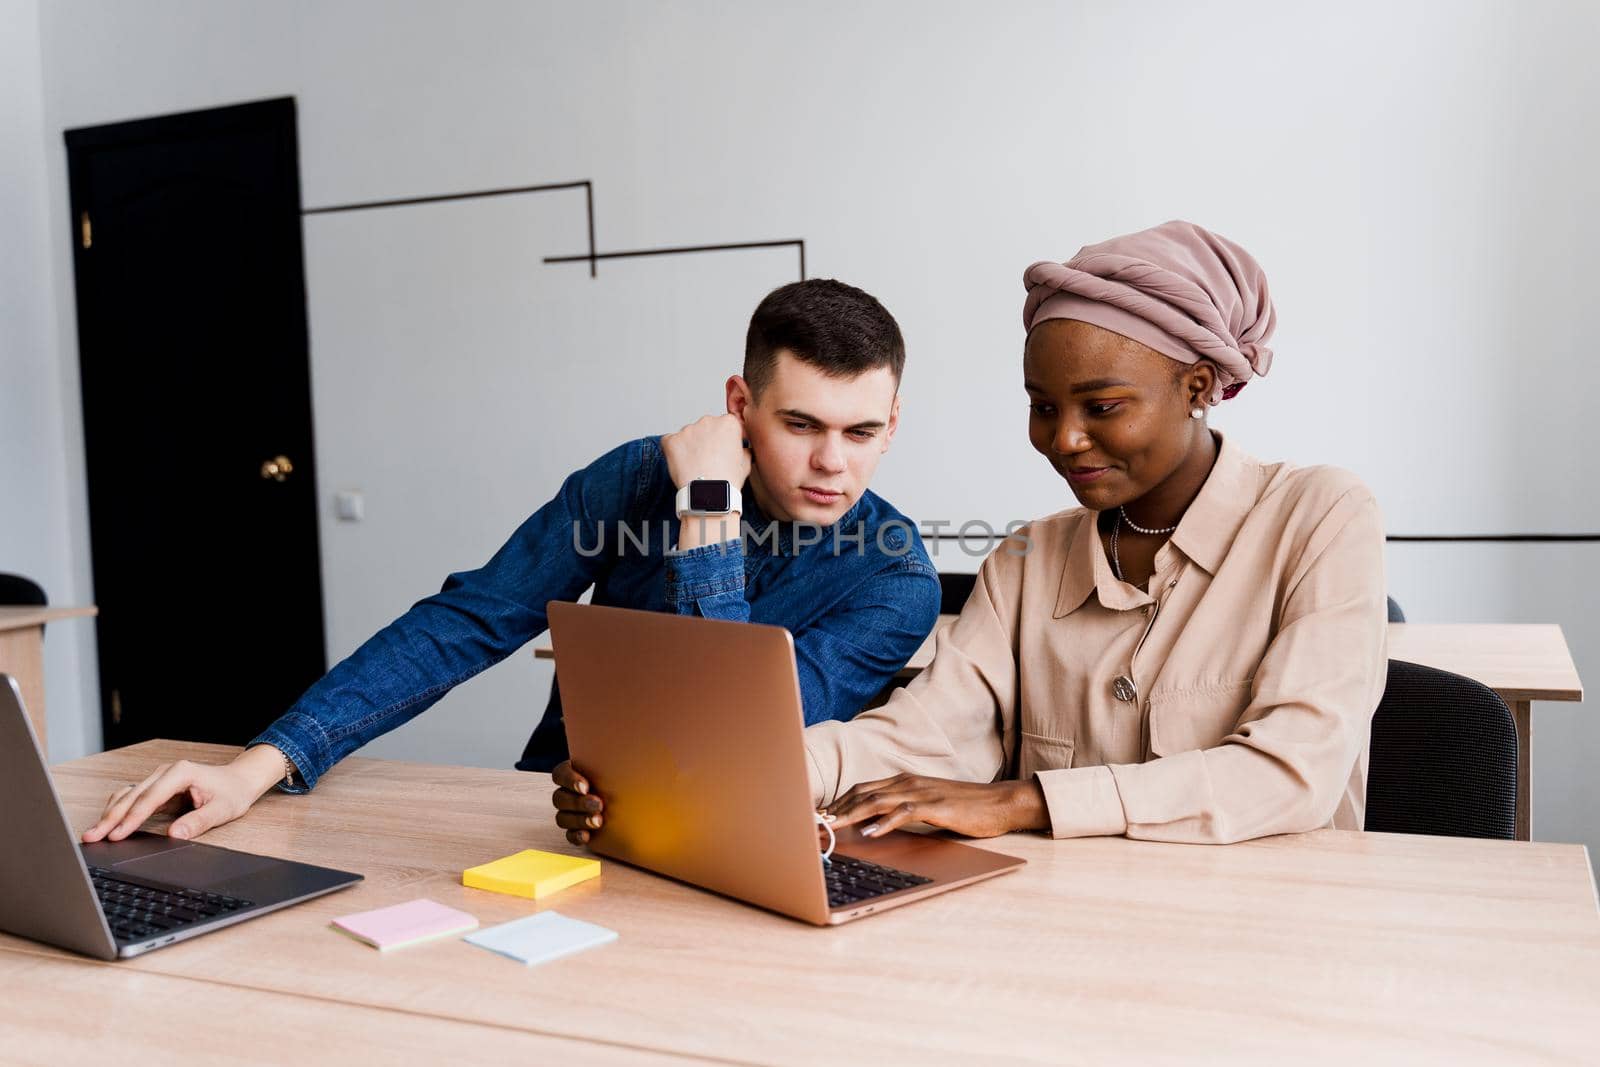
{"points": [[1415, 177], [37, 525]]}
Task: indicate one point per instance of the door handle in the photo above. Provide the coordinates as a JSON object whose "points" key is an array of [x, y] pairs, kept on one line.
{"points": [[277, 469]]}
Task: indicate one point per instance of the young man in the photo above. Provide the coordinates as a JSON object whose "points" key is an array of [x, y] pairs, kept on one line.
{"points": [[653, 524]]}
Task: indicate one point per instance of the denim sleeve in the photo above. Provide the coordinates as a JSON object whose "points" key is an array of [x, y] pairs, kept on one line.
{"points": [[708, 581], [477, 619], [846, 657]]}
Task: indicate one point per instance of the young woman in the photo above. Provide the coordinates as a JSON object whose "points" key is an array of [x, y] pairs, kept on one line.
{"points": [[1192, 655]]}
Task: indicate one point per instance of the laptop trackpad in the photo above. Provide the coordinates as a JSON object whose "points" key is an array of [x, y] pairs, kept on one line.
{"points": [[108, 853], [198, 867]]}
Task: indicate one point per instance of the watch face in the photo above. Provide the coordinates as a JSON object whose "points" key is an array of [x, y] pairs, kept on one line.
{"points": [[709, 496]]}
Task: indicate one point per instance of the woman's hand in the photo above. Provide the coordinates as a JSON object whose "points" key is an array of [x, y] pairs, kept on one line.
{"points": [[578, 811], [976, 809], [218, 794]]}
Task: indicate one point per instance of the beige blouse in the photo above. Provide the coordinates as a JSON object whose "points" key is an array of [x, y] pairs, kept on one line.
{"points": [[1231, 701]]}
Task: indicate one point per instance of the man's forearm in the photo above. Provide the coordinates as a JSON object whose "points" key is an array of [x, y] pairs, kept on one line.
{"points": [[695, 531], [263, 766]]}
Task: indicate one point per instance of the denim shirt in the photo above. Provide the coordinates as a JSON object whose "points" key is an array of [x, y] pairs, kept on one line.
{"points": [[859, 597]]}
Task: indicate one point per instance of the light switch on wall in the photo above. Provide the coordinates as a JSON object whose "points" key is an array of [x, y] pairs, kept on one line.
{"points": [[350, 505]]}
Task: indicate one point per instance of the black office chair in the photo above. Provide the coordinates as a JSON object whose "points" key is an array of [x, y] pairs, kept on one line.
{"points": [[1395, 614], [17, 591], [1443, 758], [953, 592]]}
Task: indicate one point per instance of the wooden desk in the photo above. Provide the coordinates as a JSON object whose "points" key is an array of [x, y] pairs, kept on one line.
{"points": [[22, 654], [62, 1009], [1326, 946], [1521, 663]]}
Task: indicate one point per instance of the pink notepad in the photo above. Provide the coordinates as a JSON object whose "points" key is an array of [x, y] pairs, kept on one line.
{"points": [[405, 924]]}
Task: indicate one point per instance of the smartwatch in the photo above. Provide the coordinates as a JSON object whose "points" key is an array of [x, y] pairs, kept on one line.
{"points": [[708, 496]]}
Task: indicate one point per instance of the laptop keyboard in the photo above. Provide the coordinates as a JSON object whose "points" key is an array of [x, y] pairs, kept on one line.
{"points": [[136, 912], [851, 881]]}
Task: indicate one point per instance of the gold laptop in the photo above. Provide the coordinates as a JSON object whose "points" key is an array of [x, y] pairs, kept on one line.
{"points": [[690, 729]]}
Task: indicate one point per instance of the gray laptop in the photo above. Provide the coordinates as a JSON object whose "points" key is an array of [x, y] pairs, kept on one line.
{"points": [[121, 898]]}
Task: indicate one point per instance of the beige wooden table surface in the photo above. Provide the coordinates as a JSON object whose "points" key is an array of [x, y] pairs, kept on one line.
{"points": [[1522, 663], [1330, 946], [22, 654], [66, 1010]]}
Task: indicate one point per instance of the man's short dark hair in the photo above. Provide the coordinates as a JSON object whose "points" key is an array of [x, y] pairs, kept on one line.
{"points": [[834, 327]]}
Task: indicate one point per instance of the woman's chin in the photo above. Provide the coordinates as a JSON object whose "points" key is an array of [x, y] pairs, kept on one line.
{"points": [[1093, 497]]}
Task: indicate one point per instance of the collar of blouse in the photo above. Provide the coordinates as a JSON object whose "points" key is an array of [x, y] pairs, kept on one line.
{"points": [[1204, 535]]}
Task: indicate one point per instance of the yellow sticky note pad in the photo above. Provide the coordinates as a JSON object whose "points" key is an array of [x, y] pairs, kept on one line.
{"points": [[531, 873]]}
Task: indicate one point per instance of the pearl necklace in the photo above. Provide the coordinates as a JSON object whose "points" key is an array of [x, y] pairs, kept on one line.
{"points": [[1122, 513], [1122, 517]]}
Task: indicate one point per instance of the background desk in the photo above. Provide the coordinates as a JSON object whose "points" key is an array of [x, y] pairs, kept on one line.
{"points": [[1521, 663], [1328, 946], [22, 654]]}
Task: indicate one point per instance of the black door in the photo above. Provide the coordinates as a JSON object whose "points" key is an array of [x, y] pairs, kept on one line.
{"points": [[197, 420]]}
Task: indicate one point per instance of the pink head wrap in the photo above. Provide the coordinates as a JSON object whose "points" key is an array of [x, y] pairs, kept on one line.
{"points": [[1181, 290]]}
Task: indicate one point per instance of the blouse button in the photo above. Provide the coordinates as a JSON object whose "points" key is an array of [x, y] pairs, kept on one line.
{"points": [[1124, 689]]}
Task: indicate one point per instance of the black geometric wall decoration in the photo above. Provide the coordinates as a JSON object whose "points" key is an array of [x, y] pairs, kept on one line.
{"points": [[592, 257]]}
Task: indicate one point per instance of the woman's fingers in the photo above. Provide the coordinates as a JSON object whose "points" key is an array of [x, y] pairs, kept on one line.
{"points": [[577, 809], [896, 817], [566, 800], [972, 808], [566, 776], [869, 805], [861, 789], [573, 820]]}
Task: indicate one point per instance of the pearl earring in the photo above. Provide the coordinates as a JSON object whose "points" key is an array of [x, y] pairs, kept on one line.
{"points": [[1198, 413]]}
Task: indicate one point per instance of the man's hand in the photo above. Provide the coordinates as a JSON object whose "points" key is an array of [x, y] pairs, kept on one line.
{"points": [[710, 447], [578, 811], [217, 795], [976, 809]]}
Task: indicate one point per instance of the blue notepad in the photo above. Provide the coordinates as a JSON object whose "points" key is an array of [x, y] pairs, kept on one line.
{"points": [[541, 938]]}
